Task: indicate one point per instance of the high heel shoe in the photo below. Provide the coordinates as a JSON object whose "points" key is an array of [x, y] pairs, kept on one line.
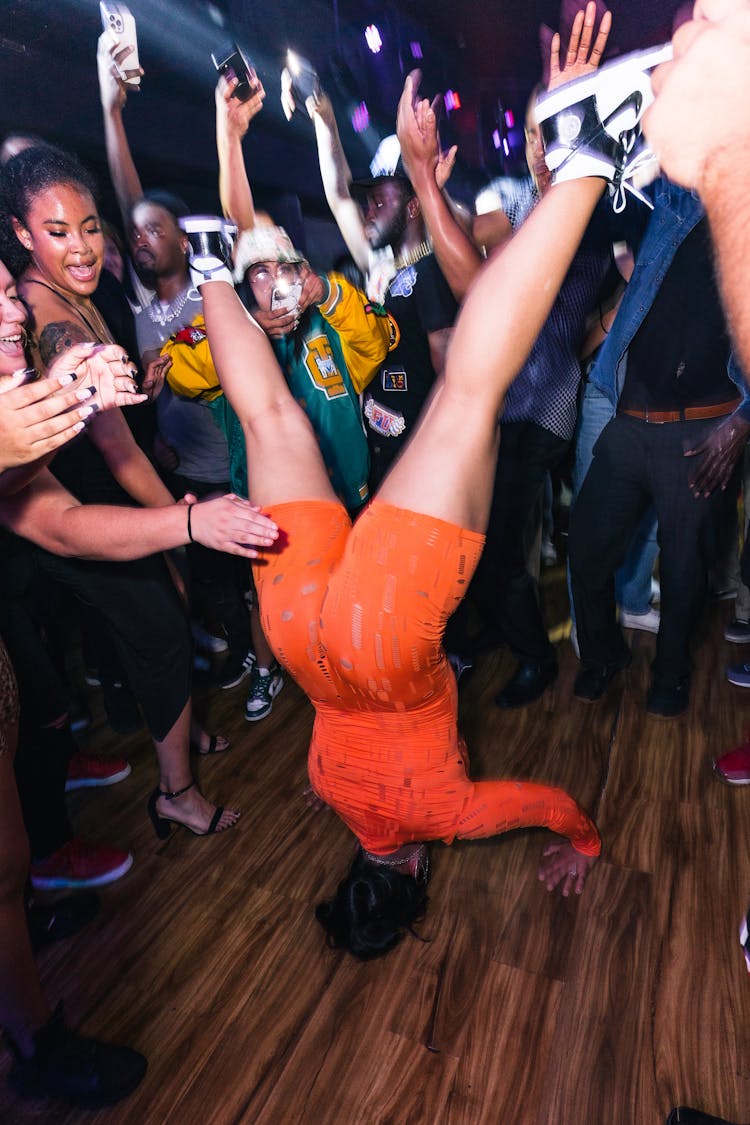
{"points": [[163, 824]]}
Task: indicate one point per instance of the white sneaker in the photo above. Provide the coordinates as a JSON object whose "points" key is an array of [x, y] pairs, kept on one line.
{"points": [[648, 622], [265, 685], [591, 126], [211, 240]]}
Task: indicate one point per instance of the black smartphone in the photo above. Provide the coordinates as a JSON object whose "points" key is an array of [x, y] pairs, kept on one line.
{"points": [[232, 63], [305, 81]]}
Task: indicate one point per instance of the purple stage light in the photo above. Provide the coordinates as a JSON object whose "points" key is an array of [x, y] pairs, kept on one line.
{"points": [[360, 118]]}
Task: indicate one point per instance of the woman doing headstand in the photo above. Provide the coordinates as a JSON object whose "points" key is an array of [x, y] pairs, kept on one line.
{"points": [[357, 613]]}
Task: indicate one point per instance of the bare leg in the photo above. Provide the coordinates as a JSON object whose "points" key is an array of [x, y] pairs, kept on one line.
{"points": [[263, 653], [448, 468], [175, 773], [23, 1009], [283, 459]]}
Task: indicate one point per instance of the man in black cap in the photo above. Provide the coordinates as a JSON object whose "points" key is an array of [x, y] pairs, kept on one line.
{"points": [[381, 222]]}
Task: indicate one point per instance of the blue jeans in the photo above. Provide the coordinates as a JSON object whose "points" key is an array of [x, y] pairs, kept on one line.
{"points": [[633, 579]]}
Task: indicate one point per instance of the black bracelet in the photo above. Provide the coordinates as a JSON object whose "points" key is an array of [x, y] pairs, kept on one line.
{"points": [[190, 530]]}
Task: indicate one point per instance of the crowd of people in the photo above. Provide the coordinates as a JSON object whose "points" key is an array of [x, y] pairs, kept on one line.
{"points": [[209, 442]]}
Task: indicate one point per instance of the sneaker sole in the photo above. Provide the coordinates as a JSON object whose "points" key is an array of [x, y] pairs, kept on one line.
{"points": [[726, 780], [98, 782], [736, 639], [49, 883], [206, 224], [589, 84], [739, 683], [628, 621], [254, 716]]}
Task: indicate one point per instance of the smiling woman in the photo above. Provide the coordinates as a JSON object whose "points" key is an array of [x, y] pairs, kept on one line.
{"points": [[50, 218]]}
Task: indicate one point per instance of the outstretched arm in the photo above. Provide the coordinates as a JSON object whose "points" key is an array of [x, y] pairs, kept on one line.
{"points": [[337, 177], [416, 125], [49, 516], [114, 94], [500, 806], [232, 120]]}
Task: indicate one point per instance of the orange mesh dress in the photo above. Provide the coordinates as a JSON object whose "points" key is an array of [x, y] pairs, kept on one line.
{"points": [[357, 616]]}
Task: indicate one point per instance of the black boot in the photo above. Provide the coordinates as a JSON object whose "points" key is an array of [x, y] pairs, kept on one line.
{"points": [[68, 1065], [528, 682]]}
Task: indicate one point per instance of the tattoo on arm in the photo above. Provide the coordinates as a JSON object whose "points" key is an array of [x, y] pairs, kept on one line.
{"points": [[57, 337]]}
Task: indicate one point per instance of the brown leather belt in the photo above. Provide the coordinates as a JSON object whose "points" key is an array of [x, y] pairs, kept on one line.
{"points": [[688, 414]]}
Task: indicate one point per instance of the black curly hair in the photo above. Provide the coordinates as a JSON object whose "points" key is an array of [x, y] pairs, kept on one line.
{"points": [[22, 179], [371, 909]]}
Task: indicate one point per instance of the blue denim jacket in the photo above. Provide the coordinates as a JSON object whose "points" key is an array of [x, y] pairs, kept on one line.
{"points": [[676, 212]]}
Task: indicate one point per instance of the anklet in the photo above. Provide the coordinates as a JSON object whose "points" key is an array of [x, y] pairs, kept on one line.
{"points": [[176, 793]]}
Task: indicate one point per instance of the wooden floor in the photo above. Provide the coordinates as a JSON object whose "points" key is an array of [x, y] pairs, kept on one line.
{"points": [[521, 1009]]}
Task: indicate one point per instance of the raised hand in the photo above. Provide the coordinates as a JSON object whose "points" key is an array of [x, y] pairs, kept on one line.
{"points": [[416, 127], [581, 57], [110, 57], [232, 115]]}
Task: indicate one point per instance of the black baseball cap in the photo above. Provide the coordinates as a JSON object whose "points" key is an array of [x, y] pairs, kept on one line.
{"points": [[360, 189]]}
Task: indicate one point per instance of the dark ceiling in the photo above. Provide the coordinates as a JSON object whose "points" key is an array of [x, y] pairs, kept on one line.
{"points": [[486, 50]]}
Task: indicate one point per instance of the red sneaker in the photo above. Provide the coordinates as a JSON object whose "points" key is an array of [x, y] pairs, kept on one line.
{"points": [[86, 770], [734, 766], [80, 864]]}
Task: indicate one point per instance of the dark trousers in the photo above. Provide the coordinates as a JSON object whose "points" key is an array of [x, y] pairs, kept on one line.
{"points": [[502, 589], [636, 464], [217, 580], [147, 623]]}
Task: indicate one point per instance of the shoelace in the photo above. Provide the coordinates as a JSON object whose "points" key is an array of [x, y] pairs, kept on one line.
{"points": [[627, 141], [622, 183]]}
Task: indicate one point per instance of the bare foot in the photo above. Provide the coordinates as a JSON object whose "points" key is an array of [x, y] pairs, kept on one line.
{"points": [[204, 743], [564, 867], [196, 813]]}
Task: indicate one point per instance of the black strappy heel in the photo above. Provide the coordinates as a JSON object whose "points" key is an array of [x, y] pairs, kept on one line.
{"points": [[163, 824]]}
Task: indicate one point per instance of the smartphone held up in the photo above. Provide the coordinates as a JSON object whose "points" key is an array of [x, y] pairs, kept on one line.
{"points": [[232, 63], [118, 20]]}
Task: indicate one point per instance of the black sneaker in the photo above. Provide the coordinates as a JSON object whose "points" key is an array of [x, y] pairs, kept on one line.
{"points": [[236, 669], [593, 681], [65, 1064], [49, 922], [527, 684], [667, 701]]}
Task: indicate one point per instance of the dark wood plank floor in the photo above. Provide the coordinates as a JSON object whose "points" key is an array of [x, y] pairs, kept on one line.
{"points": [[521, 1008]]}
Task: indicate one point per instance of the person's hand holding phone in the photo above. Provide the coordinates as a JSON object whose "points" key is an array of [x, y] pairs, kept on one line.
{"points": [[232, 115], [110, 61], [277, 322], [314, 289]]}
